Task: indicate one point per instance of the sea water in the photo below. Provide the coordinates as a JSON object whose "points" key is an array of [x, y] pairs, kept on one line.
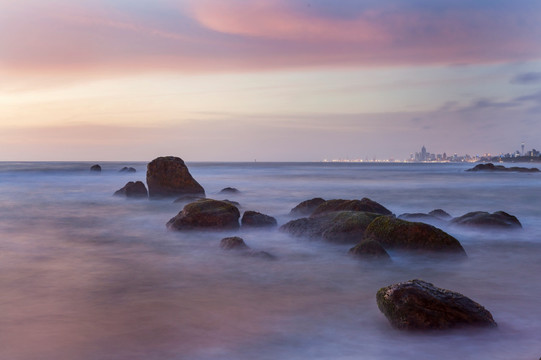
{"points": [[85, 275]]}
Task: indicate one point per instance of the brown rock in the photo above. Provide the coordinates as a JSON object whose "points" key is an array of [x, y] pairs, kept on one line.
{"points": [[419, 305], [370, 249], [206, 214], [133, 190], [306, 207], [256, 219], [169, 176]]}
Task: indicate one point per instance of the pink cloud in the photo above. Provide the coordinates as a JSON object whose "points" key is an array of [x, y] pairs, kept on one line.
{"points": [[92, 37]]}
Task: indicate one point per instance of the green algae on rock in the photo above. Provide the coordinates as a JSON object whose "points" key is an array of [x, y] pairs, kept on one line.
{"points": [[206, 214], [393, 233]]}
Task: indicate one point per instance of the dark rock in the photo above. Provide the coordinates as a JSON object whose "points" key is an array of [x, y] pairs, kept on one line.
{"points": [[206, 214], [238, 244], [233, 243], [419, 305], [127, 169], [307, 207], [339, 227], [169, 176], [256, 219], [370, 249], [364, 204], [440, 214], [95, 168], [133, 190], [492, 167], [229, 190], [394, 233], [499, 219], [258, 254]]}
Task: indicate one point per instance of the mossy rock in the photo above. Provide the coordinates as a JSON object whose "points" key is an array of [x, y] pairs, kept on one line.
{"points": [[393, 233], [369, 249], [419, 305], [338, 227], [307, 207], [206, 214], [257, 219], [365, 205]]}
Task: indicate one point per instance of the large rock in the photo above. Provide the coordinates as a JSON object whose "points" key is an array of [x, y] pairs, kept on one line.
{"points": [[133, 190], [307, 207], [394, 233], [339, 227], [169, 177], [256, 219], [95, 168], [364, 204], [492, 167], [440, 214], [419, 305], [499, 219], [369, 249], [206, 214]]}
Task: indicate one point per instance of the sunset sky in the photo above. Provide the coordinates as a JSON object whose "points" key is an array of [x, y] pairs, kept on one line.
{"points": [[272, 80]]}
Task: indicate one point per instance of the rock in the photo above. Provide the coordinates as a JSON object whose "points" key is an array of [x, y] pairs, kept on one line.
{"points": [[169, 176], [499, 219], [492, 167], [307, 207], [95, 168], [133, 190], [127, 170], [370, 249], [256, 219], [188, 199], [233, 243], [364, 204], [238, 244], [206, 214], [440, 214], [419, 305], [394, 233], [235, 203], [229, 190], [417, 216], [339, 227]]}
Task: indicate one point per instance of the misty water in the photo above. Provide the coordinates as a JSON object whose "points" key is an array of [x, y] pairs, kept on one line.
{"points": [[85, 275]]}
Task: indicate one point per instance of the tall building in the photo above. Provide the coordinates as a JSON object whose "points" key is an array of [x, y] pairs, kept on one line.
{"points": [[423, 154], [522, 146]]}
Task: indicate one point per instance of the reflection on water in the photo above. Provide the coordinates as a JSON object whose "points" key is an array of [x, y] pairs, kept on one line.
{"points": [[84, 275]]}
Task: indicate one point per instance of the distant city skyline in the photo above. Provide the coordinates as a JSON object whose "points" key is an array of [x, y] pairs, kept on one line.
{"points": [[272, 80]]}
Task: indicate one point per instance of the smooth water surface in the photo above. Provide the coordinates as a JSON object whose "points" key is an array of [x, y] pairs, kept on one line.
{"points": [[85, 275]]}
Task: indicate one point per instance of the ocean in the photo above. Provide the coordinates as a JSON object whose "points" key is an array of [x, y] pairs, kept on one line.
{"points": [[86, 275]]}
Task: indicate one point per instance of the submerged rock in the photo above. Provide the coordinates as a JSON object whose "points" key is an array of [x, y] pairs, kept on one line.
{"points": [[133, 190], [440, 214], [95, 168], [206, 214], [169, 176], [306, 207], [236, 243], [370, 250], [233, 243], [339, 227], [364, 204], [394, 233], [256, 219], [419, 305], [126, 169], [229, 190], [492, 167], [499, 219]]}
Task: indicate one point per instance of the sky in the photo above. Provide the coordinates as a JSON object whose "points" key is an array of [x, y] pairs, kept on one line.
{"points": [[272, 80]]}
